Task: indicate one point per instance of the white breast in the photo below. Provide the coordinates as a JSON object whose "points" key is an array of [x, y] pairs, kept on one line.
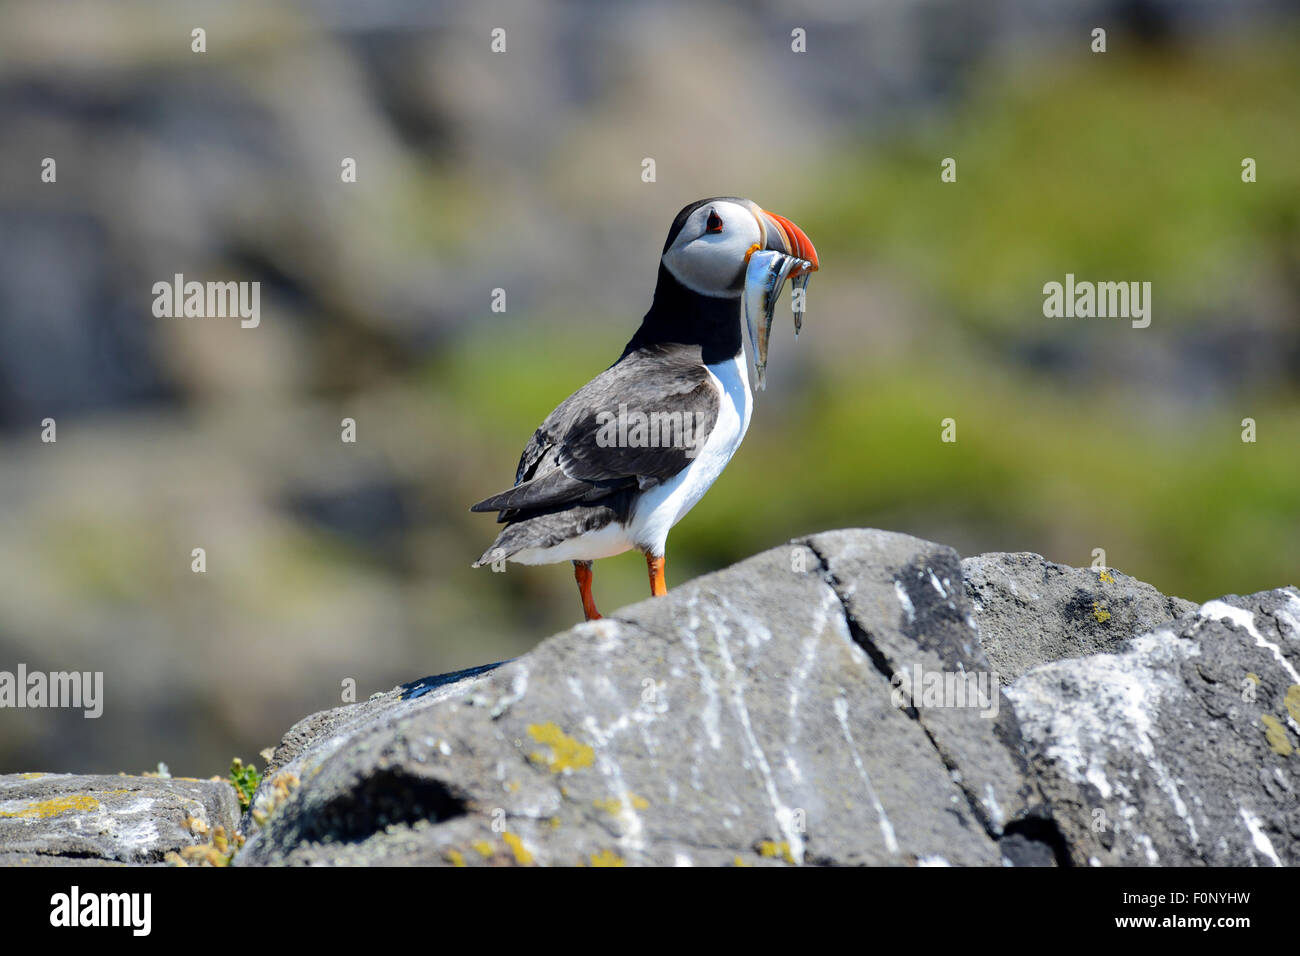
{"points": [[661, 507]]}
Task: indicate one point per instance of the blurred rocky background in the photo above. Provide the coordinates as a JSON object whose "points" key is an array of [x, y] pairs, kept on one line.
{"points": [[522, 170]]}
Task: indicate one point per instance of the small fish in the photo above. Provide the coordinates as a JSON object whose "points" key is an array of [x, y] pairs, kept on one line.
{"points": [[764, 278], [799, 303]]}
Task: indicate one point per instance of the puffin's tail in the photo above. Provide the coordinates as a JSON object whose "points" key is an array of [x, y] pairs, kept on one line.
{"points": [[545, 529], [500, 550]]}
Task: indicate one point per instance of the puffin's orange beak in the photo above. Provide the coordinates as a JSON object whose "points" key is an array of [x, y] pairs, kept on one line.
{"points": [[794, 241]]}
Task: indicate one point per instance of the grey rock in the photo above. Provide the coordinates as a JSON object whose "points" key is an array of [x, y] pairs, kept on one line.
{"points": [[1180, 748], [737, 720], [327, 730], [833, 701], [1031, 610], [60, 819], [46, 860], [906, 605]]}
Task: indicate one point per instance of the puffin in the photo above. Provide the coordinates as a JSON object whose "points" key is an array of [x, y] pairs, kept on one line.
{"points": [[623, 459]]}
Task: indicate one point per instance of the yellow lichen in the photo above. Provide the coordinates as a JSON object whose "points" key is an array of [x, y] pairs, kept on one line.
{"points": [[522, 856], [1101, 615], [204, 854], [567, 754], [607, 858], [218, 851], [612, 805], [222, 844], [1276, 736], [739, 862], [1105, 576], [44, 809], [282, 786], [1292, 701], [1252, 677], [455, 858], [482, 847], [31, 776], [773, 850]]}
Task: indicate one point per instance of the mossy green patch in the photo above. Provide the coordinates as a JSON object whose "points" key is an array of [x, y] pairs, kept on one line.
{"points": [[245, 779]]}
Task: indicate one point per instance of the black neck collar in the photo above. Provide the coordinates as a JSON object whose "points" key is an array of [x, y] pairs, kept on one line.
{"points": [[681, 316]]}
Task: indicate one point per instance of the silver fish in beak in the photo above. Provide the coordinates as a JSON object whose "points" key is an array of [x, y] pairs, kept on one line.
{"points": [[764, 278], [785, 252], [799, 298]]}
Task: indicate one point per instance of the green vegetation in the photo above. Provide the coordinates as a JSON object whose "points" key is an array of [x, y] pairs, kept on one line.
{"points": [[1116, 166], [245, 779]]}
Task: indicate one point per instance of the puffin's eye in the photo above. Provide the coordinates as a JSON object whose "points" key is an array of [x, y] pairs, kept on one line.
{"points": [[714, 223]]}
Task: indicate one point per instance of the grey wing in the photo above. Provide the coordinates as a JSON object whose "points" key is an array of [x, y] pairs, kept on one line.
{"points": [[580, 454]]}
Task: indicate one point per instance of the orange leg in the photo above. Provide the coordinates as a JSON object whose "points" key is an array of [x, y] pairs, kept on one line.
{"points": [[582, 574], [658, 587]]}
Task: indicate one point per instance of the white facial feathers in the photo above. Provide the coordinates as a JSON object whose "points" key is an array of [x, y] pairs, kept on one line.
{"points": [[707, 260]]}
